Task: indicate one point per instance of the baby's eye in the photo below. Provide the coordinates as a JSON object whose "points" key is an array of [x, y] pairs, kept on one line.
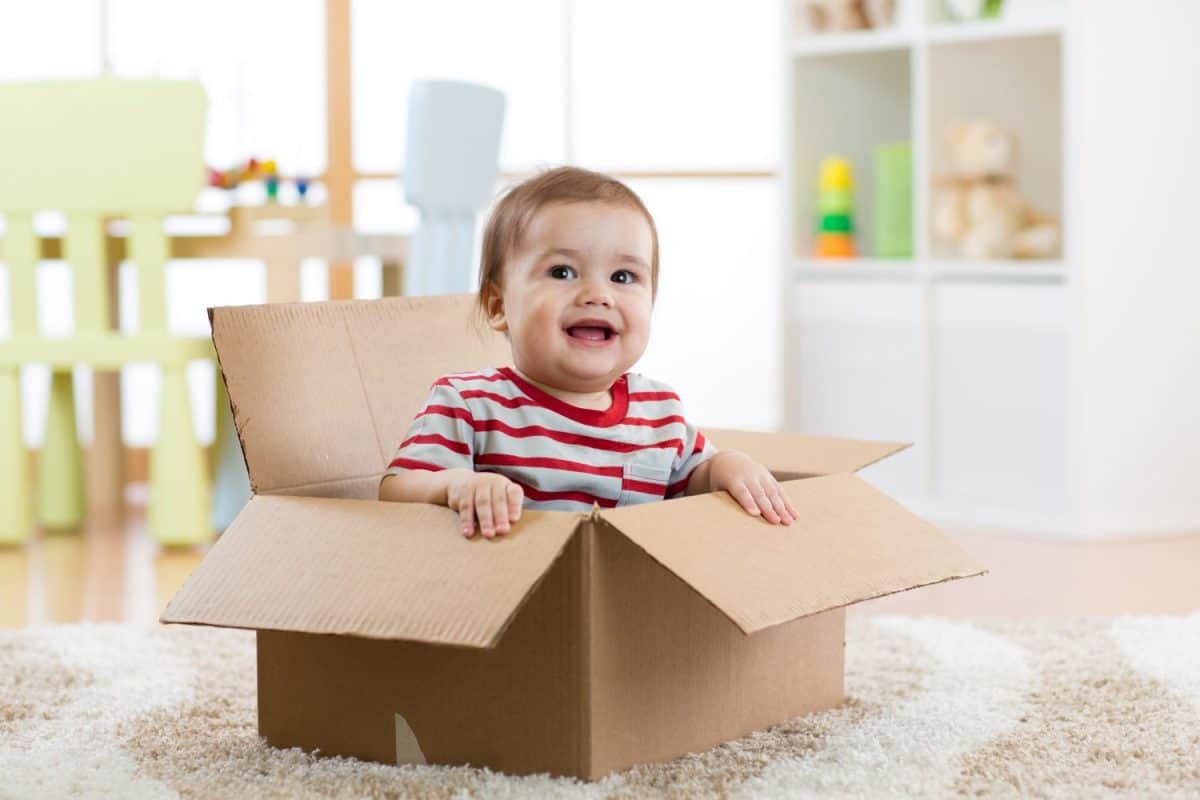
{"points": [[624, 276], [562, 272]]}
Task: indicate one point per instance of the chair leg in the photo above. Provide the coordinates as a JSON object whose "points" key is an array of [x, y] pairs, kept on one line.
{"points": [[16, 511], [61, 497], [179, 487]]}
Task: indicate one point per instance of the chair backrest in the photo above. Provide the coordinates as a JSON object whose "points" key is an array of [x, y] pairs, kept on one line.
{"points": [[91, 149], [453, 154], [105, 145], [451, 166]]}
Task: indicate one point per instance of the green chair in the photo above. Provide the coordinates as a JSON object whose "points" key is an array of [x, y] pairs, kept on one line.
{"points": [[95, 150]]}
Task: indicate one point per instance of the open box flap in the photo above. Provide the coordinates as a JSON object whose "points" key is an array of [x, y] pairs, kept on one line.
{"points": [[372, 569], [792, 455], [323, 393], [850, 543]]}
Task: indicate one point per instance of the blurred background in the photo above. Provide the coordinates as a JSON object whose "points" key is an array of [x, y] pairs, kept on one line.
{"points": [[959, 223]]}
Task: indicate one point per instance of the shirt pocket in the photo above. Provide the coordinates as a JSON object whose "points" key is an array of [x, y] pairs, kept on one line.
{"points": [[644, 479]]}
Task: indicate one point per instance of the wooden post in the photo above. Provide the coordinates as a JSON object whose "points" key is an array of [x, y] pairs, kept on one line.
{"points": [[339, 169], [105, 465], [393, 276], [104, 544]]}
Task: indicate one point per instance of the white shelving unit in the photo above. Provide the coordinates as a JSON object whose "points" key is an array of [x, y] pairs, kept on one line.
{"points": [[991, 368]]}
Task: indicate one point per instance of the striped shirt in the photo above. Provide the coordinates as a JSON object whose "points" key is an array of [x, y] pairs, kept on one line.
{"points": [[565, 458]]}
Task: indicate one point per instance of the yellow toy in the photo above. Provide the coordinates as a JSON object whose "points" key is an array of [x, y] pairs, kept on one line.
{"points": [[835, 205]]}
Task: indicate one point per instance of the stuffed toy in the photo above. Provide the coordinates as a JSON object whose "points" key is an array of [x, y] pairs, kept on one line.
{"points": [[977, 209], [832, 16]]}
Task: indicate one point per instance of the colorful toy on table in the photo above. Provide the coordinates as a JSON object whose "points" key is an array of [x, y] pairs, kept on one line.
{"points": [[835, 209], [254, 170]]}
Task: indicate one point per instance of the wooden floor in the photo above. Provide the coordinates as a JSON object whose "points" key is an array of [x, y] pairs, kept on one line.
{"points": [[115, 573]]}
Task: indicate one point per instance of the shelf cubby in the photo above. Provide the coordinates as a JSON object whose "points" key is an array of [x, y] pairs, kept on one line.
{"points": [[1001, 383], [1053, 395], [1015, 82], [854, 351], [846, 104], [968, 359]]}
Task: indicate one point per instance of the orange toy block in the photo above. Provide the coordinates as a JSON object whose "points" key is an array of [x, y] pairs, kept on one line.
{"points": [[835, 245]]}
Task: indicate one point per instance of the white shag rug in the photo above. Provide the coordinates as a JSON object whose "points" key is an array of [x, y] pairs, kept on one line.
{"points": [[936, 708]]}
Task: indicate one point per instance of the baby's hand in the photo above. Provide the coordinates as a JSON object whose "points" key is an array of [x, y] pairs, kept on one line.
{"points": [[752, 485], [492, 499]]}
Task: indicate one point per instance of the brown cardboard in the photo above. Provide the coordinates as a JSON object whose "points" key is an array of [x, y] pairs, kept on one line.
{"points": [[578, 644], [683, 678], [792, 455], [380, 570], [768, 574], [670, 674], [518, 707], [323, 392]]}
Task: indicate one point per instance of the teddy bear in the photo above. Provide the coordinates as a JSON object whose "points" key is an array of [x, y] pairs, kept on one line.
{"points": [[831, 16], [977, 209]]}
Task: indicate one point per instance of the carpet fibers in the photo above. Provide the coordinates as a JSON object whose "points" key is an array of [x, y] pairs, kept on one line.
{"points": [[935, 708]]}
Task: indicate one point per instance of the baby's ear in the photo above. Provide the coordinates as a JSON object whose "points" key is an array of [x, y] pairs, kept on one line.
{"points": [[493, 307]]}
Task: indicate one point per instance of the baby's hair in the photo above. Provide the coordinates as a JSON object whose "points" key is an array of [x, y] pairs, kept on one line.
{"points": [[516, 207]]}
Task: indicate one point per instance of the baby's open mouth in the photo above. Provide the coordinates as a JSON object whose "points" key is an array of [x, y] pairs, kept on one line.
{"points": [[591, 331]]}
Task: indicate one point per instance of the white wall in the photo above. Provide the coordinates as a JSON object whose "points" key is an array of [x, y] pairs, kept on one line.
{"points": [[1137, 155], [715, 335]]}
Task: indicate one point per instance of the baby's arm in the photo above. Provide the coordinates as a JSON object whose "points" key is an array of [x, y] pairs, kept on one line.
{"points": [[419, 486], [492, 500], [435, 464], [749, 483]]}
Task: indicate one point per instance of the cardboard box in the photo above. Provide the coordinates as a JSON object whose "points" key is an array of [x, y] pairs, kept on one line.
{"points": [[578, 644]]}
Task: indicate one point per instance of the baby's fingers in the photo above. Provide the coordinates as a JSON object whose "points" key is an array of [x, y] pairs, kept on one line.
{"points": [[764, 504], [466, 519], [516, 496], [741, 493], [500, 508], [483, 510], [780, 504], [791, 509]]}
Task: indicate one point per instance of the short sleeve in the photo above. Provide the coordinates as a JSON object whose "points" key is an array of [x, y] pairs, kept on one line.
{"points": [[441, 435], [695, 451]]}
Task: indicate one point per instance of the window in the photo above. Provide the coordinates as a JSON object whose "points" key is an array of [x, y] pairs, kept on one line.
{"points": [[679, 98]]}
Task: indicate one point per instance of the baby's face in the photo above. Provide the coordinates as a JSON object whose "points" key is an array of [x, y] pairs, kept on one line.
{"points": [[577, 295]]}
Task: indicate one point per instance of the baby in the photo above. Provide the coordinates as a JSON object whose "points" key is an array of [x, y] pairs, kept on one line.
{"points": [[569, 272]]}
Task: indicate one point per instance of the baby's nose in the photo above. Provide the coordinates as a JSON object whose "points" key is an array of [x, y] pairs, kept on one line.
{"points": [[592, 294]]}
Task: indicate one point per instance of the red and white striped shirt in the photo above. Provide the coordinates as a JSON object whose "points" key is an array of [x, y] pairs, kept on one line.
{"points": [[564, 457]]}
